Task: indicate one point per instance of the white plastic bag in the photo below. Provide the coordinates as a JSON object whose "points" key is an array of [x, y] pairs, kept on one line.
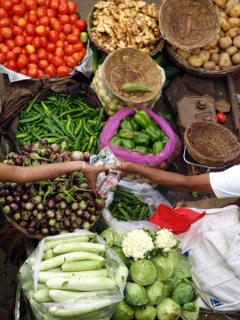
{"points": [[29, 275]]}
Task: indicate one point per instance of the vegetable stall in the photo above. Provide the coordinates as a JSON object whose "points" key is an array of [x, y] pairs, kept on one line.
{"points": [[103, 82]]}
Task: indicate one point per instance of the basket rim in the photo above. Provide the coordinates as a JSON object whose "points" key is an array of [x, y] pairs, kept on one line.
{"points": [[161, 71], [152, 53], [183, 64], [207, 158], [174, 41]]}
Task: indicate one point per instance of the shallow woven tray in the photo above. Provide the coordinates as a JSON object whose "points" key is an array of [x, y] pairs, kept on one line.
{"points": [[158, 48], [183, 64], [211, 144], [132, 65], [188, 24]]}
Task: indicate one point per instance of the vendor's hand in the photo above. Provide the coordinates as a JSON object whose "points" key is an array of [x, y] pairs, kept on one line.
{"points": [[91, 173], [125, 167]]}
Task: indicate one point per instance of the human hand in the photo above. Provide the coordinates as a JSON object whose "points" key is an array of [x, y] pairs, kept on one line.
{"points": [[91, 173]]}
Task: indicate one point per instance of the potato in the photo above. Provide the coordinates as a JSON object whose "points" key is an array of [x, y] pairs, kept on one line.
{"points": [[215, 57], [196, 51], [232, 50], [236, 58], [234, 22], [230, 5], [209, 65], [217, 68], [220, 3], [235, 11], [232, 32], [236, 41], [222, 14], [224, 24], [183, 54], [195, 61], [225, 61], [212, 45], [204, 55], [225, 42]]}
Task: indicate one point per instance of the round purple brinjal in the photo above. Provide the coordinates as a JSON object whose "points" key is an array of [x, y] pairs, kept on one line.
{"points": [[75, 206], [18, 162], [86, 225], [23, 224], [51, 203], [27, 148], [33, 224], [6, 192], [86, 215], [31, 230], [35, 212], [67, 223], [25, 197], [44, 142], [44, 222], [44, 231], [78, 221], [98, 212], [79, 212], [59, 216], [93, 218], [65, 156], [55, 148], [53, 230], [73, 218], [17, 216], [40, 207], [100, 203], [91, 209], [77, 156], [10, 199], [2, 201], [7, 210], [14, 207], [88, 196], [36, 146], [75, 225], [87, 156], [62, 205], [37, 199], [29, 206], [17, 199], [83, 205], [13, 185], [68, 212], [25, 216], [1, 185], [39, 217], [50, 214], [51, 222], [58, 227], [83, 185]]}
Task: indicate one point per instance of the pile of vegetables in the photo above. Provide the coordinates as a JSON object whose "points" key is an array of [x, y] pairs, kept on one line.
{"points": [[49, 207], [141, 134], [41, 37], [72, 268], [159, 284], [224, 51], [126, 206], [62, 117]]}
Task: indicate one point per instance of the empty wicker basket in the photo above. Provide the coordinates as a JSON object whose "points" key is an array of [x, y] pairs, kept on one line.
{"points": [[188, 24], [211, 144]]}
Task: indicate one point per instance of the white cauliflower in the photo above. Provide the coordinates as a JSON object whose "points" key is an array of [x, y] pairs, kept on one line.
{"points": [[136, 244], [165, 240]]}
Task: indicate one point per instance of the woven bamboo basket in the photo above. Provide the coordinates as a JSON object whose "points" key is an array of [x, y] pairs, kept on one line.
{"points": [[158, 48], [211, 144], [24, 231], [188, 24]]}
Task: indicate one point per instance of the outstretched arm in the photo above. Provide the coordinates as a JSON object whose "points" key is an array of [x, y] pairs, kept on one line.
{"points": [[200, 183]]}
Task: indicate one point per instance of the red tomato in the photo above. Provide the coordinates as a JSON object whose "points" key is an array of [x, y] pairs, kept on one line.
{"points": [[42, 54], [17, 31], [11, 65], [4, 49], [62, 36], [10, 43], [41, 2], [53, 36], [6, 32], [41, 31], [32, 65], [1, 38], [7, 5], [41, 12], [32, 72], [30, 29], [57, 26], [60, 44], [50, 57], [78, 47], [67, 28], [29, 39], [81, 24], [72, 38], [76, 31], [51, 13], [22, 61], [30, 48], [2, 58], [78, 56], [5, 22], [23, 71], [10, 56], [22, 22], [72, 7], [3, 13], [63, 7], [57, 61], [19, 9], [73, 18], [16, 1], [32, 18], [44, 42], [33, 58], [17, 50], [43, 64], [51, 47], [69, 50], [15, 19], [20, 41], [37, 42], [45, 21], [54, 4], [63, 71], [24, 51], [64, 18], [50, 70], [59, 52], [40, 73], [221, 118], [30, 4], [70, 62]]}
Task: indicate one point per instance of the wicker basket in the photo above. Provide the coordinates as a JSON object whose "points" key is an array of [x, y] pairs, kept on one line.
{"points": [[188, 24], [158, 48], [211, 144], [22, 230], [184, 65]]}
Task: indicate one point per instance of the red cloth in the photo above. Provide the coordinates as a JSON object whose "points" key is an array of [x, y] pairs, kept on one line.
{"points": [[177, 220]]}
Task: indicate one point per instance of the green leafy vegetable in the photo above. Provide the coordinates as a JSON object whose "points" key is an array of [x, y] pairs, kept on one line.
{"points": [[135, 295], [183, 269], [183, 293], [157, 292], [168, 310], [165, 267], [143, 272], [111, 237], [123, 312], [145, 313]]}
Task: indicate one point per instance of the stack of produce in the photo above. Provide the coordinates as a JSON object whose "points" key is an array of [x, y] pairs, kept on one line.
{"points": [[224, 51], [49, 207], [126, 206], [159, 284], [41, 37], [141, 134], [77, 275], [59, 118]]}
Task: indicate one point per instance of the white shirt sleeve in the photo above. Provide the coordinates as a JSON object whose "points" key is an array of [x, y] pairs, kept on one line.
{"points": [[226, 183]]}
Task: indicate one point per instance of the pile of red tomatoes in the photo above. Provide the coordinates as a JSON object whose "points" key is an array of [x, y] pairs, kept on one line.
{"points": [[41, 37]]}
